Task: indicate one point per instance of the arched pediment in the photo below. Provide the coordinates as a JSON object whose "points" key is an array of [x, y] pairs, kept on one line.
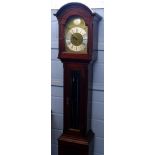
{"points": [[73, 5]]}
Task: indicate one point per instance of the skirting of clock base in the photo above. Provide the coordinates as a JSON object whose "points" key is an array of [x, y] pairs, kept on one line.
{"points": [[72, 145]]}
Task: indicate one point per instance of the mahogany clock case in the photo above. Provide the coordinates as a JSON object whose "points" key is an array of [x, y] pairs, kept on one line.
{"points": [[77, 137]]}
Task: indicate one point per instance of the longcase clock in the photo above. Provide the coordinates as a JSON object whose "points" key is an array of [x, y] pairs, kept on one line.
{"points": [[78, 40]]}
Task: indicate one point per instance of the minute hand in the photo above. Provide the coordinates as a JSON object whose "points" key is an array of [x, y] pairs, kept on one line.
{"points": [[75, 37]]}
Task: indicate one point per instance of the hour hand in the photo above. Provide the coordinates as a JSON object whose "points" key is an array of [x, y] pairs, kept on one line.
{"points": [[75, 37]]}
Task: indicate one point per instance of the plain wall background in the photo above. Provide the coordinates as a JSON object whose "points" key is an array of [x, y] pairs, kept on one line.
{"points": [[25, 77]]}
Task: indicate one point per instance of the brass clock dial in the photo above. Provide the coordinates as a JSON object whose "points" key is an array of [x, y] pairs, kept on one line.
{"points": [[76, 36]]}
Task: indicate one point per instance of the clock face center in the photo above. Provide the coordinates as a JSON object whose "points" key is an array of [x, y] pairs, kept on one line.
{"points": [[76, 39]]}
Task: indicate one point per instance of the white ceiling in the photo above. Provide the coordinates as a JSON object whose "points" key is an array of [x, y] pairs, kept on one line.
{"points": [[89, 3]]}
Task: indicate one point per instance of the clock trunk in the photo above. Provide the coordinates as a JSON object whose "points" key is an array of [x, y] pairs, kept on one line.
{"points": [[77, 97]]}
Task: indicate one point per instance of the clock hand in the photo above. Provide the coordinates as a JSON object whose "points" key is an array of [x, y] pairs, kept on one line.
{"points": [[75, 37]]}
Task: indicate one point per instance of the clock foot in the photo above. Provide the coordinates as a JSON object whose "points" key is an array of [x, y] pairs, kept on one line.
{"points": [[73, 145]]}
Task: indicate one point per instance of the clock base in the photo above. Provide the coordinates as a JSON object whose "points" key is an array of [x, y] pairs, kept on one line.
{"points": [[73, 145]]}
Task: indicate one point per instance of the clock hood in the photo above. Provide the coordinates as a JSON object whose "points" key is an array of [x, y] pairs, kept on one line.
{"points": [[72, 6]]}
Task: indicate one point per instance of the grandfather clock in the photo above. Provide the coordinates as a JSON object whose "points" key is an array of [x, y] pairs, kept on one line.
{"points": [[78, 40]]}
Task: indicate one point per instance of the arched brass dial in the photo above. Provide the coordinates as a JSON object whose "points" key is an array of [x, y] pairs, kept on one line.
{"points": [[76, 36]]}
